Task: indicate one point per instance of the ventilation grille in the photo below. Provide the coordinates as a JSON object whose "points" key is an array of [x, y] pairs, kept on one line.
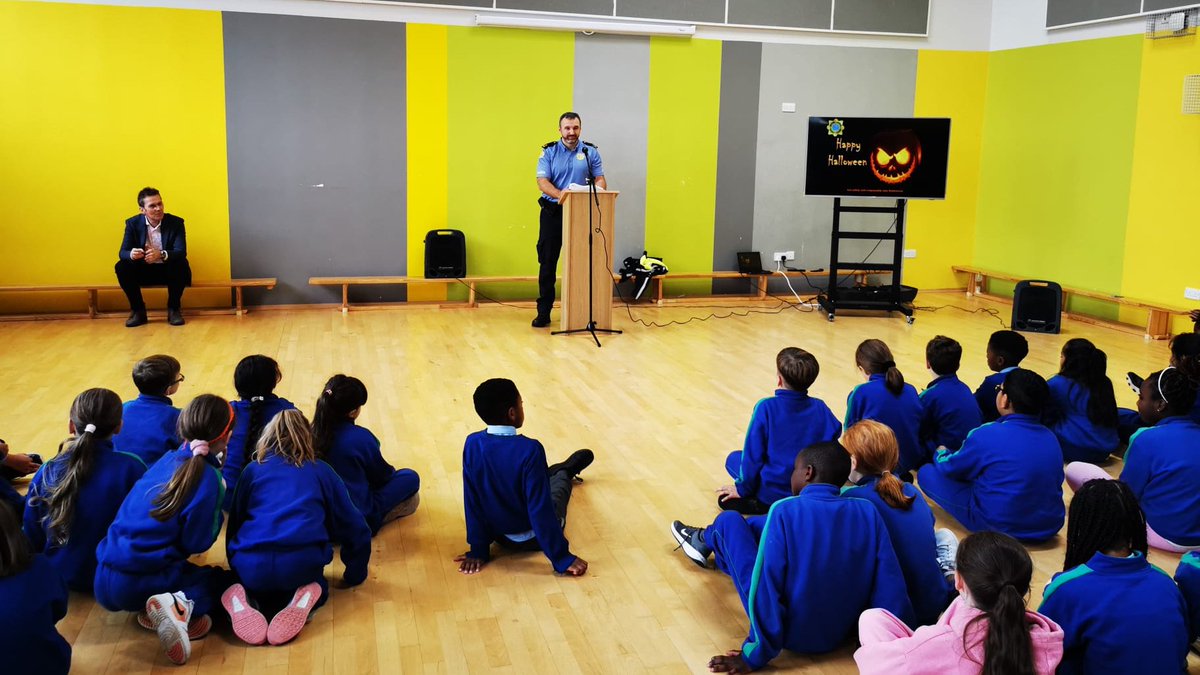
{"points": [[1172, 24], [1191, 94]]}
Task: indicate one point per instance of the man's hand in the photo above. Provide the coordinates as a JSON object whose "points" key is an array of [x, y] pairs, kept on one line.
{"points": [[577, 568], [469, 565], [137, 254], [727, 492], [153, 255], [729, 662], [1195, 314], [22, 464]]}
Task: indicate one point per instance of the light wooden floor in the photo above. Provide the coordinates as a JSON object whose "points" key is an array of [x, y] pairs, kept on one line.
{"points": [[661, 408]]}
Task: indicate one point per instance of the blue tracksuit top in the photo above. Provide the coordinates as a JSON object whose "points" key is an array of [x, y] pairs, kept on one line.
{"points": [[280, 507], [238, 455], [822, 559], [985, 395], [30, 604], [1118, 615], [1081, 439], [911, 532], [148, 428], [780, 427], [1187, 575], [138, 544], [100, 496], [1162, 466], [506, 490], [1015, 467], [950, 414], [355, 455], [902, 413]]}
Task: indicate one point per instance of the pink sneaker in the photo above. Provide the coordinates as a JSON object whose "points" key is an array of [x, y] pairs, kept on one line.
{"points": [[288, 623], [248, 623], [170, 614]]}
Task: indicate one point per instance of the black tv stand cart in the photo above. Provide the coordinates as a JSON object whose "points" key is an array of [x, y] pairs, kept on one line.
{"points": [[890, 300]]}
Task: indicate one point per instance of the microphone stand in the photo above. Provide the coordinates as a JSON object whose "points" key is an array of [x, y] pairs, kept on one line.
{"points": [[594, 201]]}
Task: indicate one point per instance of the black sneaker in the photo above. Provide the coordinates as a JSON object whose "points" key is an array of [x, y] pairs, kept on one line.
{"points": [[747, 506], [691, 540], [1135, 382], [136, 318], [573, 465], [541, 321]]}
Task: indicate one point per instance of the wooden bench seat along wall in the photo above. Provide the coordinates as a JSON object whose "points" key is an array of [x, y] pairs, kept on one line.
{"points": [[93, 292], [1158, 320]]}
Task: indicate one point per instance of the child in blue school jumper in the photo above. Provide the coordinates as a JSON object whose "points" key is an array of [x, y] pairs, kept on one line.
{"points": [[510, 496], [254, 378], [1008, 474], [1083, 408], [806, 570], [381, 492], [950, 410], [926, 556], [1005, 351], [289, 509], [1185, 355], [779, 427], [74, 497], [151, 421], [1187, 576], [171, 514], [884, 397], [33, 598], [1119, 613]]}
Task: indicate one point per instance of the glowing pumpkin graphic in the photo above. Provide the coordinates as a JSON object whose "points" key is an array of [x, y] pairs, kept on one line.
{"points": [[895, 155]]}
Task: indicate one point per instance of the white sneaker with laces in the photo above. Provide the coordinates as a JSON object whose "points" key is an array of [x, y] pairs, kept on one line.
{"points": [[947, 551]]}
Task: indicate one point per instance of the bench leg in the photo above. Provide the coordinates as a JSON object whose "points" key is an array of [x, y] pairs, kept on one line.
{"points": [[1158, 325], [471, 294], [237, 292], [762, 286], [345, 298], [658, 290], [92, 303]]}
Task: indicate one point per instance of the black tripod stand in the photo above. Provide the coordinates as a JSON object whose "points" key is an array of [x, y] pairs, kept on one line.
{"points": [[594, 201]]}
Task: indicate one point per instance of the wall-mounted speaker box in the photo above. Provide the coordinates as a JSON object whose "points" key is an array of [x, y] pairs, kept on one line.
{"points": [[1037, 307], [445, 254]]}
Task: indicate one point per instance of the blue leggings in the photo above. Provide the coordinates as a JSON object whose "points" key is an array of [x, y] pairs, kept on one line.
{"points": [[272, 577], [402, 485], [120, 591]]}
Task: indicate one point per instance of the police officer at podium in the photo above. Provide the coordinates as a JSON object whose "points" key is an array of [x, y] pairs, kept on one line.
{"points": [[561, 163]]}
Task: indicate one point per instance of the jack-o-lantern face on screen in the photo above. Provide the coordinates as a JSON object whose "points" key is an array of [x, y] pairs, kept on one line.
{"points": [[895, 156]]}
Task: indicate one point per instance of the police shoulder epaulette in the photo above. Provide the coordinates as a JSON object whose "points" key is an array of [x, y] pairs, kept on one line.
{"points": [[549, 145], [592, 144]]}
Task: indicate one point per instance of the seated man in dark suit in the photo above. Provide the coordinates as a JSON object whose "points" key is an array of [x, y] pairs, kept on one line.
{"points": [[153, 253]]}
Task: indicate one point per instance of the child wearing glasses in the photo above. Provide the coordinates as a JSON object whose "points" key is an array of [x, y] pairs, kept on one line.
{"points": [[150, 419]]}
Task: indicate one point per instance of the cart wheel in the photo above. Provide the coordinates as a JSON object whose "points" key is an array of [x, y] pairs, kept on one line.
{"points": [[911, 319], [830, 317]]}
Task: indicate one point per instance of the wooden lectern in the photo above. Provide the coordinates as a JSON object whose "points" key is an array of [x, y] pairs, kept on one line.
{"points": [[575, 259]]}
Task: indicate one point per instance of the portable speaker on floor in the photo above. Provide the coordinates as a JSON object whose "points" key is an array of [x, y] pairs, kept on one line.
{"points": [[1037, 307], [445, 254]]}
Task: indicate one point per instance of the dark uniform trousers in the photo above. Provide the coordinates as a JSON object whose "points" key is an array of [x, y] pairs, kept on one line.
{"points": [[549, 247], [133, 274]]}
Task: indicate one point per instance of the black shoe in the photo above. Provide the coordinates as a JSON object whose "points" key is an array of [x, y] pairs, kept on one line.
{"points": [[174, 317], [541, 321], [1135, 382], [745, 506], [136, 318], [575, 464], [691, 540]]}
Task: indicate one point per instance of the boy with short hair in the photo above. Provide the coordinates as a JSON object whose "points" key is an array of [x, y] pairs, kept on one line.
{"points": [[807, 570], [510, 495], [950, 408], [779, 427], [150, 420], [1005, 351], [1008, 474]]}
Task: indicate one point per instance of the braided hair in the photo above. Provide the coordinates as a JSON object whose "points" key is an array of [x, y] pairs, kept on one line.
{"points": [[341, 396], [1173, 388], [1185, 354], [1104, 516], [1086, 365]]}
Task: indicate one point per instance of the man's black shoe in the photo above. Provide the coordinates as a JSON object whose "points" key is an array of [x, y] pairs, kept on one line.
{"points": [[541, 321], [575, 464], [136, 318], [174, 317]]}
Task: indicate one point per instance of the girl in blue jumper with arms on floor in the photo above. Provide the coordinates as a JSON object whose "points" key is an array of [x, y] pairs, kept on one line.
{"points": [[884, 397], [1119, 613], [75, 496], [171, 514], [1083, 408], [151, 420], [33, 598], [926, 556], [254, 378], [949, 408], [289, 509], [381, 492]]}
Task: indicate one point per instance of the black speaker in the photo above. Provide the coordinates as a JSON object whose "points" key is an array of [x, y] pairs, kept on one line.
{"points": [[445, 254], [1037, 307]]}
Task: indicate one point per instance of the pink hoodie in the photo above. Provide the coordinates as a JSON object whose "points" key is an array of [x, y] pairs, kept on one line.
{"points": [[888, 646]]}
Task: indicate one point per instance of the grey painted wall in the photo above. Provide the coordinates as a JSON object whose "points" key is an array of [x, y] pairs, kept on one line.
{"points": [[733, 231], [315, 102], [612, 93], [843, 81]]}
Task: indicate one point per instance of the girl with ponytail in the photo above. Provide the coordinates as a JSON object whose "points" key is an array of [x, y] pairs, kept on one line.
{"points": [[986, 630], [380, 491], [926, 557], [884, 397], [73, 498], [171, 514], [1083, 409], [1119, 613], [254, 378], [33, 598]]}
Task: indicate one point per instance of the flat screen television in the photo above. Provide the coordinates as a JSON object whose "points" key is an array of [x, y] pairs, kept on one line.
{"points": [[894, 157]]}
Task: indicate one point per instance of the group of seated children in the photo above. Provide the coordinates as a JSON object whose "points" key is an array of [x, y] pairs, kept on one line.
{"points": [[119, 511]]}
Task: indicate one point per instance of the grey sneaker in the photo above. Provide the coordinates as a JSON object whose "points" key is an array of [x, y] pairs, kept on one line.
{"points": [[947, 551], [691, 540]]}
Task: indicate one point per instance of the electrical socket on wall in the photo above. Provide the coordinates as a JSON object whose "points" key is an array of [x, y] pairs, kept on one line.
{"points": [[1191, 293], [910, 253], [784, 256]]}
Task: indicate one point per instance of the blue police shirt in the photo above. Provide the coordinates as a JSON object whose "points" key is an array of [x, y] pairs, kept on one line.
{"points": [[563, 166]]}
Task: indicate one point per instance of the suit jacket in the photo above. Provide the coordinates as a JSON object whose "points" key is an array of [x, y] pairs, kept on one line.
{"points": [[174, 238]]}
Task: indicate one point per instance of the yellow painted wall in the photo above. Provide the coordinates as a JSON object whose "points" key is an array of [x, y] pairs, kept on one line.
{"points": [[428, 132], [954, 85], [96, 103]]}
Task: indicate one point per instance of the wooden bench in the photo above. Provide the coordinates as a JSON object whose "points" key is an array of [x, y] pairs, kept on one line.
{"points": [[93, 291], [1158, 321], [758, 280]]}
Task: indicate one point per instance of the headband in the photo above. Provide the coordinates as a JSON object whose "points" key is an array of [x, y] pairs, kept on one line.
{"points": [[1159, 383]]}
